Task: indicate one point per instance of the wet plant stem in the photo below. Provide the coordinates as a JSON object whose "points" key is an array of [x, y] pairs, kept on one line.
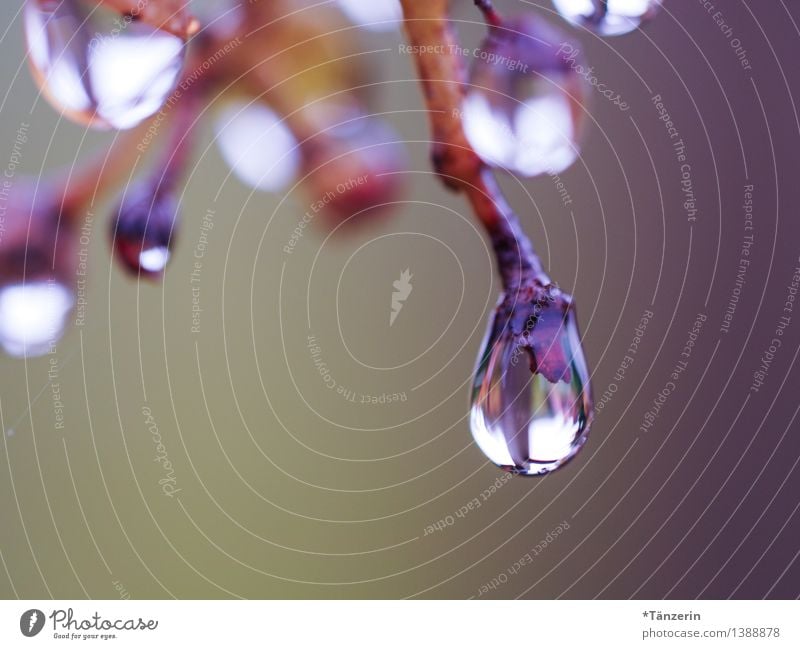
{"points": [[491, 16], [442, 76]]}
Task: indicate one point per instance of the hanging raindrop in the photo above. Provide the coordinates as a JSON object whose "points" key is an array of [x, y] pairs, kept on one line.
{"points": [[144, 229], [38, 261], [531, 399], [258, 147], [524, 108], [608, 17], [99, 68]]}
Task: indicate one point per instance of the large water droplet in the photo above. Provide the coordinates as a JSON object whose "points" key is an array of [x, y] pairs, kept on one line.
{"points": [[523, 111], [608, 17], [531, 400], [33, 316], [258, 147], [98, 67], [375, 15], [144, 229]]}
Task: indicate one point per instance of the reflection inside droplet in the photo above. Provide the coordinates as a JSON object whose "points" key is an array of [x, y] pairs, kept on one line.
{"points": [[33, 316], [100, 68], [608, 17], [542, 139], [531, 405], [523, 109], [131, 76], [258, 147]]}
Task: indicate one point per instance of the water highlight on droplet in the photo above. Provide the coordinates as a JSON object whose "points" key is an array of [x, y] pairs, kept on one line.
{"points": [[33, 316], [608, 17]]}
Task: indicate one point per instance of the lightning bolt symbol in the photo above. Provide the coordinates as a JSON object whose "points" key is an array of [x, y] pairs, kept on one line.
{"points": [[32, 621]]}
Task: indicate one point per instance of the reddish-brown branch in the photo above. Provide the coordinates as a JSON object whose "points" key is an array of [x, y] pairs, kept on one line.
{"points": [[293, 59], [489, 13], [517, 261], [170, 15], [105, 171], [298, 62], [442, 75], [172, 166], [99, 175]]}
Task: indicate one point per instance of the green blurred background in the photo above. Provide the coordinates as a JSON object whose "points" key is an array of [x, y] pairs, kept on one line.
{"points": [[287, 489]]}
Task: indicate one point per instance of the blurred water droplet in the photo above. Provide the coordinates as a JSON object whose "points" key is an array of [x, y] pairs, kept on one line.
{"points": [[531, 400], [98, 67], [608, 17], [144, 229], [523, 111], [258, 147], [375, 15], [33, 316]]}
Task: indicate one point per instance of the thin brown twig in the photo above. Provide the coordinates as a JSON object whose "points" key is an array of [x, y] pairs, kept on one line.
{"points": [[442, 75], [489, 12], [170, 15]]}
